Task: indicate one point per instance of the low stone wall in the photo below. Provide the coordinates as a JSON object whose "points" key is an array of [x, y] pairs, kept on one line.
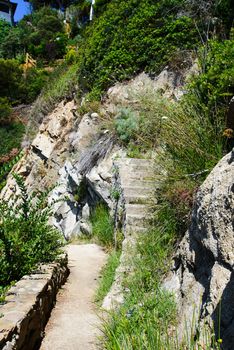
{"points": [[28, 305]]}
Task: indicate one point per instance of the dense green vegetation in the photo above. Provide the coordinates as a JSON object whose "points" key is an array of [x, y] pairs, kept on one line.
{"points": [[125, 38], [131, 36], [26, 238]]}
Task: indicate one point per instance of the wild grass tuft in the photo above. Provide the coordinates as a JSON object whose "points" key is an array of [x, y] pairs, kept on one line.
{"points": [[107, 276], [103, 226]]}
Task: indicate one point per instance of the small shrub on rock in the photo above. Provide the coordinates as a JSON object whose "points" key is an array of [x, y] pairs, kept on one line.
{"points": [[26, 238]]}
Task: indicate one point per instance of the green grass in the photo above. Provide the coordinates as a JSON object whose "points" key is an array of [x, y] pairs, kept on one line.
{"points": [[107, 276], [103, 226], [147, 309], [10, 137]]}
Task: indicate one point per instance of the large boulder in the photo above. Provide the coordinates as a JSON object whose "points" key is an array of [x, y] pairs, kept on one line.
{"points": [[202, 277]]}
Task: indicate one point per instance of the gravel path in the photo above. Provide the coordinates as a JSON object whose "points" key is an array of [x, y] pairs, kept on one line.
{"points": [[74, 324]]}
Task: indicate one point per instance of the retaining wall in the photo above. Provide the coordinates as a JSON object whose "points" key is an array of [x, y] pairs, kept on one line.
{"points": [[28, 304]]}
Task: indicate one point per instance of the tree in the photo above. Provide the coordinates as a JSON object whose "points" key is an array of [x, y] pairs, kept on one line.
{"points": [[11, 80], [40, 33], [4, 30]]}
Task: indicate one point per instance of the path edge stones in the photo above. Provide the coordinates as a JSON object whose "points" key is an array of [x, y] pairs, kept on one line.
{"points": [[28, 305]]}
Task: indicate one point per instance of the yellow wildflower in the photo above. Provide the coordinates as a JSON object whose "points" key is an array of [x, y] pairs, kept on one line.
{"points": [[229, 133]]}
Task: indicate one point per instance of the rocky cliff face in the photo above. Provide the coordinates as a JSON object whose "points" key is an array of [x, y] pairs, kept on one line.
{"points": [[203, 274], [71, 151]]}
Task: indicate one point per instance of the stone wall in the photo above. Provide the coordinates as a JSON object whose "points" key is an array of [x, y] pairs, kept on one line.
{"points": [[28, 304]]}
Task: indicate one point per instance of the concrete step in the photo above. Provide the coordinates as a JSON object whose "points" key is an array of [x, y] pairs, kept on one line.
{"points": [[133, 229], [129, 182], [137, 209], [137, 220], [138, 191], [134, 161], [138, 199]]}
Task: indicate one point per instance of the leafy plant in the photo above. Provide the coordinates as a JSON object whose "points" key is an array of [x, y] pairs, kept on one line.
{"points": [[127, 124], [26, 238], [11, 136], [5, 111], [131, 36]]}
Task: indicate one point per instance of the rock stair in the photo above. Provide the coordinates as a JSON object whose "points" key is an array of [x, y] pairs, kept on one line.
{"points": [[136, 178]]}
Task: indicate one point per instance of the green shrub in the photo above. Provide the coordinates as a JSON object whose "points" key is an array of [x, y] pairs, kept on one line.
{"points": [[127, 124], [214, 86], [11, 80], [102, 224], [11, 136], [34, 83], [5, 111], [26, 238], [131, 36]]}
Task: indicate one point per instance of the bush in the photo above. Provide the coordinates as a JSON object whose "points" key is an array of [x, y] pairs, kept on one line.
{"points": [[40, 33], [26, 238], [214, 87], [5, 111], [11, 136], [127, 124], [131, 36], [11, 80]]}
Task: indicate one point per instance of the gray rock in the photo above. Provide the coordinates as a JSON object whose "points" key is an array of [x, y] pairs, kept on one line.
{"points": [[204, 262], [85, 212], [85, 228]]}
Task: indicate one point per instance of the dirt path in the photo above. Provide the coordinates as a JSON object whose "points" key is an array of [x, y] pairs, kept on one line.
{"points": [[74, 324]]}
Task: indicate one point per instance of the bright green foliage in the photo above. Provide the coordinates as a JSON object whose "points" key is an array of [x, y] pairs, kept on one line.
{"points": [[26, 238], [131, 36], [215, 85], [102, 224], [107, 276]]}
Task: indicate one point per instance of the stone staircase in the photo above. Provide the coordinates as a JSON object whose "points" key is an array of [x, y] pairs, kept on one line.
{"points": [[136, 178], [136, 181]]}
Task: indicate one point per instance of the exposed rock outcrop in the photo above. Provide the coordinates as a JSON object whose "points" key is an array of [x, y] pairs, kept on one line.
{"points": [[203, 274]]}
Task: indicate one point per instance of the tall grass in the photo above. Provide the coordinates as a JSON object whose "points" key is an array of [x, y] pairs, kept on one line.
{"points": [[107, 276], [103, 226], [61, 85]]}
